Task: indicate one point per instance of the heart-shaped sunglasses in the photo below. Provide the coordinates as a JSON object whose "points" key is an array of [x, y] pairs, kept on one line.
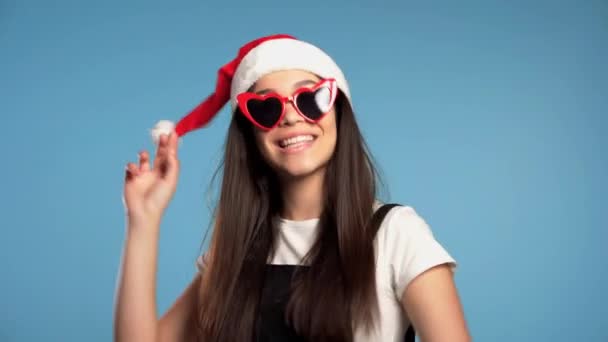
{"points": [[312, 103]]}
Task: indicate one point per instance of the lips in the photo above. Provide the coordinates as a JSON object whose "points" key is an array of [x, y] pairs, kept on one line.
{"points": [[296, 141]]}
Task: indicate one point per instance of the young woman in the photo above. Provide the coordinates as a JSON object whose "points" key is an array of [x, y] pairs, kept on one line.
{"points": [[294, 255]]}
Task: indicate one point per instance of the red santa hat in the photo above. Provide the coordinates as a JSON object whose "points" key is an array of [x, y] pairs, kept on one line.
{"points": [[254, 60]]}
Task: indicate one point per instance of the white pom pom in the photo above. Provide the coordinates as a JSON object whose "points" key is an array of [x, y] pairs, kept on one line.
{"points": [[161, 127]]}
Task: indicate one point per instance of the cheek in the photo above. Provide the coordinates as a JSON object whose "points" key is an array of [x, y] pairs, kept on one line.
{"points": [[329, 127], [263, 143]]}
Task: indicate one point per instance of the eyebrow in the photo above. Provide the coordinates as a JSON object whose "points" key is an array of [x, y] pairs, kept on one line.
{"points": [[295, 86]]}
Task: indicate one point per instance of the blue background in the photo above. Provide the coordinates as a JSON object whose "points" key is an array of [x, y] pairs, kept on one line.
{"points": [[488, 117]]}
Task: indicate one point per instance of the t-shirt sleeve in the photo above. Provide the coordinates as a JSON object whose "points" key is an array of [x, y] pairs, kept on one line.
{"points": [[201, 263], [408, 247]]}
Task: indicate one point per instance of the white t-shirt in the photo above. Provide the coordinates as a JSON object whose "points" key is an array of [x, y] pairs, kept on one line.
{"points": [[405, 247]]}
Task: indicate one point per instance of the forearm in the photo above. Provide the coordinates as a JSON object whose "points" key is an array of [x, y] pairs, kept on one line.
{"points": [[135, 311]]}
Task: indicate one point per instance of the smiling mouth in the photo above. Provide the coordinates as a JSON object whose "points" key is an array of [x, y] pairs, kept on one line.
{"points": [[297, 141]]}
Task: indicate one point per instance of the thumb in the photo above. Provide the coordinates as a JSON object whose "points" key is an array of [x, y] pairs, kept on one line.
{"points": [[172, 169]]}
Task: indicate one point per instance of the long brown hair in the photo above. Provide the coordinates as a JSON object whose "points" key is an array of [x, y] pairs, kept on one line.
{"points": [[338, 292]]}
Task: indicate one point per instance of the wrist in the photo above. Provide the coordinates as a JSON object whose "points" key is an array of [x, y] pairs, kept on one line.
{"points": [[143, 225], [143, 219]]}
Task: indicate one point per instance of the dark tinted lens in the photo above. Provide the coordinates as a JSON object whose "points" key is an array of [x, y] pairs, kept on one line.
{"points": [[315, 104], [266, 112]]}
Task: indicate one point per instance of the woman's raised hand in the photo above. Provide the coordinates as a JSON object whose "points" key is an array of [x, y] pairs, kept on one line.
{"points": [[148, 188]]}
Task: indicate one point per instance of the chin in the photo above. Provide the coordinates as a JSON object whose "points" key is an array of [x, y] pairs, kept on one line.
{"points": [[298, 164], [299, 170]]}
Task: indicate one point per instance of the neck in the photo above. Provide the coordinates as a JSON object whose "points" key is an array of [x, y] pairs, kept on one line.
{"points": [[303, 197]]}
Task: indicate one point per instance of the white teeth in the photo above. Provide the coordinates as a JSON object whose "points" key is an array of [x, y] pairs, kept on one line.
{"points": [[295, 140]]}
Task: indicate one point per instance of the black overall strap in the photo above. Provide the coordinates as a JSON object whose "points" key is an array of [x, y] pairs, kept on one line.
{"points": [[377, 219], [270, 321]]}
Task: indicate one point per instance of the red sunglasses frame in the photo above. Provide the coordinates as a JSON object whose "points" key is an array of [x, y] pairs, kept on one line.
{"points": [[243, 98]]}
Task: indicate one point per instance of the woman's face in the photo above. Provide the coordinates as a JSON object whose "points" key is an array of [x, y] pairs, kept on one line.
{"points": [[281, 147]]}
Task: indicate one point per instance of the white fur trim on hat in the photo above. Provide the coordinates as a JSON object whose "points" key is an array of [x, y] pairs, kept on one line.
{"points": [[163, 127], [284, 54]]}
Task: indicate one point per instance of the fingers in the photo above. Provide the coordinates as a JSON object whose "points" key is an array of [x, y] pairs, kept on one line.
{"points": [[165, 160], [144, 161], [173, 140], [167, 148], [131, 171], [161, 151], [171, 163]]}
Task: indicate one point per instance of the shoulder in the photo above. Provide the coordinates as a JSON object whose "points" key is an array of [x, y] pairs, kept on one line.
{"points": [[404, 217], [406, 246], [202, 262], [404, 223]]}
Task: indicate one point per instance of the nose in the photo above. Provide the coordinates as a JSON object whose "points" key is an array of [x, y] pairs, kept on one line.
{"points": [[291, 116]]}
